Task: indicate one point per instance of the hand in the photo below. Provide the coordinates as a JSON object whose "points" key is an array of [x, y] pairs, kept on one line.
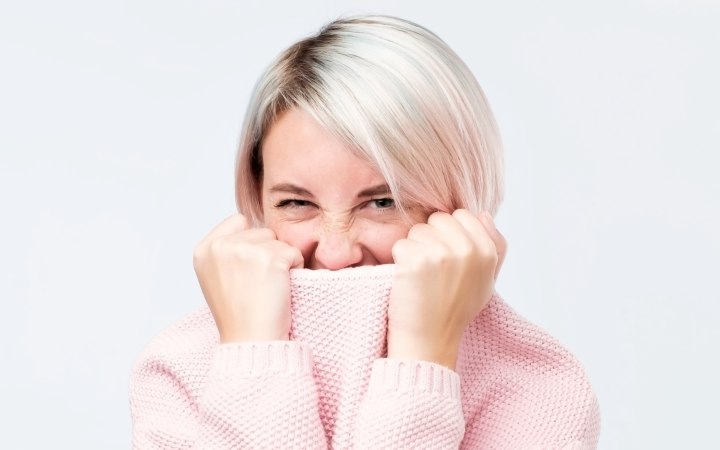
{"points": [[243, 273], [445, 275]]}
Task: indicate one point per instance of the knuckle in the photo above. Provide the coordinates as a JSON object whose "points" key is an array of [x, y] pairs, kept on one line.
{"points": [[462, 213], [490, 257], [438, 256], [437, 216], [239, 220], [225, 248], [399, 247], [488, 249], [216, 246], [501, 242], [465, 252], [419, 230], [199, 253], [266, 233]]}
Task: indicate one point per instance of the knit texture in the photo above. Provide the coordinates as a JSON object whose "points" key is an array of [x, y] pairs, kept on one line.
{"points": [[331, 386]]}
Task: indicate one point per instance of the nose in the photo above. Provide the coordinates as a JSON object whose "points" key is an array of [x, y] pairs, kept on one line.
{"points": [[336, 249]]}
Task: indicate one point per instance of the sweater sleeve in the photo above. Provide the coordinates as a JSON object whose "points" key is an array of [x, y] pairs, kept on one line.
{"points": [[256, 395], [410, 404]]}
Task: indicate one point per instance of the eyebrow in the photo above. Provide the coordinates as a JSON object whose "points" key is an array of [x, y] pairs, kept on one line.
{"points": [[289, 188], [380, 189]]}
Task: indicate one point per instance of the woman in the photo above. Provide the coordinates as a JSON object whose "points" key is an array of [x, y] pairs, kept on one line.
{"points": [[369, 151]]}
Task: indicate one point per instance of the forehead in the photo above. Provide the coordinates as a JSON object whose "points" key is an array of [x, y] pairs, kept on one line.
{"points": [[298, 150]]}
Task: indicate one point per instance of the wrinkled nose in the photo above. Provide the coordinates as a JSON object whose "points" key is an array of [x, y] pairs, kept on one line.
{"points": [[336, 249]]}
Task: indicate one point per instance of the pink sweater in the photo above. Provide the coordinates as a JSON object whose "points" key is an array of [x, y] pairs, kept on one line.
{"points": [[330, 386]]}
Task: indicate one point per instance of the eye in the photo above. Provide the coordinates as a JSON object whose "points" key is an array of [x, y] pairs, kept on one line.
{"points": [[382, 203], [292, 203]]}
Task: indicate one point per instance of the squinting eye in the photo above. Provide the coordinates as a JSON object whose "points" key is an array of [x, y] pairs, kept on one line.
{"points": [[292, 203], [383, 203]]}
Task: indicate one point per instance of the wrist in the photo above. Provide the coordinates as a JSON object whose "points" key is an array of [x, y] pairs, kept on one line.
{"points": [[422, 348], [250, 333]]}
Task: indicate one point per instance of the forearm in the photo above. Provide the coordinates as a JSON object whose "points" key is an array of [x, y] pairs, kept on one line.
{"points": [[257, 395], [410, 404]]}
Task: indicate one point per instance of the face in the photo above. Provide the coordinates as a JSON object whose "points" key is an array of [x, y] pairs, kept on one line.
{"points": [[320, 198]]}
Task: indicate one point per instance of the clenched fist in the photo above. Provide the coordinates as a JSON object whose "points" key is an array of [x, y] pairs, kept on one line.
{"points": [[244, 276], [445, 275]]}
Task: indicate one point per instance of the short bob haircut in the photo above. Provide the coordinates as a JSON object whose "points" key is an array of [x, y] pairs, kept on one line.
{"points": [[399, 98]]}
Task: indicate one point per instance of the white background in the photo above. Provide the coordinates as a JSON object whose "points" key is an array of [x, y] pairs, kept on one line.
{"points": [[118, 127]]}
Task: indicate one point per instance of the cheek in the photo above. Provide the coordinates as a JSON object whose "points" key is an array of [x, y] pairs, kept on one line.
{"points": [[291, 233], [379, 240], [298, 235]]}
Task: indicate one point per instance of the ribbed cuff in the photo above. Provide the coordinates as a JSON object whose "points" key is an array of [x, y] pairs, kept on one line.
{"points": [[255, 359], [408, 375]]}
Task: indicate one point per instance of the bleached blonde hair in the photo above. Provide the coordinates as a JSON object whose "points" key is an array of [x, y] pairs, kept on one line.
{"points": [[399, 98]]}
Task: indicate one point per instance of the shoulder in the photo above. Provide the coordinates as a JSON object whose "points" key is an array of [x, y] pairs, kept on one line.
{"points": [[519, 372], [193, 334], [500, 338], [183, 351]]}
